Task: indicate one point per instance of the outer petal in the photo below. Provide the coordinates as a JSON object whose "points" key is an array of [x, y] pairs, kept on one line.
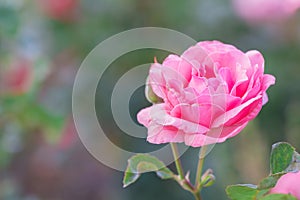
{"points": [[256, 58], [197, 113], [160, 115], [265, 98], [144, 117], [212, 46], [159, 134], [249, 110], [216, 135], [267, 81]]}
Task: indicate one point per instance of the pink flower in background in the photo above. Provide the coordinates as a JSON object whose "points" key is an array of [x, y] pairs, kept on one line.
{"points": [[265, 10], [288, 184], [207, 94], [18, 77], [63, 10]]}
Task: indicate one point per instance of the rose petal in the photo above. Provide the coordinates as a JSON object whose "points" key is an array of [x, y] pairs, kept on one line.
{"points": [[216, 135], [158, 134], [159, 115], [236, 112]]}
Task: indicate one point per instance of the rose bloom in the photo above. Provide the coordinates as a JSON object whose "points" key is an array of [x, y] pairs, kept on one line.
{"points": [[206, 95], [265, 10], [288, 184]]}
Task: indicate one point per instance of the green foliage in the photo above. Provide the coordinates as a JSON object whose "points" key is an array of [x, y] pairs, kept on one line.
{"points": [[278, 197], [283, 159], [142, 163], [245, 192], [269, 181]]}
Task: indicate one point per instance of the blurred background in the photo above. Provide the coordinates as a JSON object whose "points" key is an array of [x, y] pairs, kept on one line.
{"points": [[42, 44]]}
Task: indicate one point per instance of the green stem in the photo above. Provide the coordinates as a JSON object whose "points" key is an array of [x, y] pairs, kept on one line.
{"points": [[200, 167], [195, 190], [197, 196], [177, 161]]}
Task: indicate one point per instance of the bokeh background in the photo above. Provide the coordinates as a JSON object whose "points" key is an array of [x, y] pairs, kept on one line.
{"points": [[43, 42]]}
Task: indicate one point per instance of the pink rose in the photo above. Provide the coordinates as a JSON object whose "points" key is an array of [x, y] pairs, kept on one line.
{"points": [[208, 94], [265, 10], [288, 184]]}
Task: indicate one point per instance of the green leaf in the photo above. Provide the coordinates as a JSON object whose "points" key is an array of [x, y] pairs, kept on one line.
{"points": [[278, 197], [242, 192], [142, 163], [281, 157], [284, 159], [262, 193], [270, 181]]}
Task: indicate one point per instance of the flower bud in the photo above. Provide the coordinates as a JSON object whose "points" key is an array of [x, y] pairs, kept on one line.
{"points": [[151, 96], [208, 179]]}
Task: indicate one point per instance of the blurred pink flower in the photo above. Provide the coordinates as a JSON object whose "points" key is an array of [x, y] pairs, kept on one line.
{"points": [[209, 94], [19, 77], [288, 184], [265, 10], [63, 10]]}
